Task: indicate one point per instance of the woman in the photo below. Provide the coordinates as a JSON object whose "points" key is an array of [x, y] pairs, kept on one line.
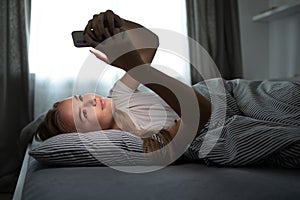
{"points": [[90, 112], [262, 120]]}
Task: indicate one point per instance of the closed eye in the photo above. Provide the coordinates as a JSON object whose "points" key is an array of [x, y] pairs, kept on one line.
{"points": [[80, 98]]}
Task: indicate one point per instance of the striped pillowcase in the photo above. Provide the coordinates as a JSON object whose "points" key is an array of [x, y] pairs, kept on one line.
{"points": [[109, 147]]}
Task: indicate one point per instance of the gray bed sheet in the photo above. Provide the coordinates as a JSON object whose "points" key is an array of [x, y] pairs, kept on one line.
{"points": [[178, 181]]}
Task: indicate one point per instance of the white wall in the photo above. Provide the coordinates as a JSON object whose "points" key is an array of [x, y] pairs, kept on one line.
{"points": [[284, 55], [269, 49], [254, 40]]}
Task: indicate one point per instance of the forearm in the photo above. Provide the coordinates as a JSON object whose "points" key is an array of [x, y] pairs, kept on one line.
{"points": [[160, 83], [142, 37]]}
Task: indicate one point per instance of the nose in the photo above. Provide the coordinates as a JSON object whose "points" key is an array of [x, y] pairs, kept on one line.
{"points": [[91, 102]]}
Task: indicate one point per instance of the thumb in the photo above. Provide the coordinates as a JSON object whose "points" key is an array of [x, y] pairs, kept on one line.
{"points": [[99, 55]]}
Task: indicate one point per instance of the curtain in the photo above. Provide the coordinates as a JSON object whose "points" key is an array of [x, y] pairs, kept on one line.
{"points": [[14, 87], [215, 25]]}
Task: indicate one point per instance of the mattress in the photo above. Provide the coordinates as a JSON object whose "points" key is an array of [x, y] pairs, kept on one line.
{"points": [[178, 181]]}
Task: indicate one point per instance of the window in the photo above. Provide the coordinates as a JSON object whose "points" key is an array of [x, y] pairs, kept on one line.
{"points": [[55, 61]]}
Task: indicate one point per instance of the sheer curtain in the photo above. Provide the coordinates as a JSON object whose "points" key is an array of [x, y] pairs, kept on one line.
{"points": [[56, 62]]}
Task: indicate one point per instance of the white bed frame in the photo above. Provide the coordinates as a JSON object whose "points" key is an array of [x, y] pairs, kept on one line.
{"points": [[22, 176]]}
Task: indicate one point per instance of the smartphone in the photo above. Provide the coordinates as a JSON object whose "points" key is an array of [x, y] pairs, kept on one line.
{"points": [[78, 39]]}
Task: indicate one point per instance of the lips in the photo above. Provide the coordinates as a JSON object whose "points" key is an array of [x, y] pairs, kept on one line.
{"points": [[102, 102]]}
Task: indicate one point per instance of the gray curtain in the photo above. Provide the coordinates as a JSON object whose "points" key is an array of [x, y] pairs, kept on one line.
{"points": [[215, 25], [14, 87]]}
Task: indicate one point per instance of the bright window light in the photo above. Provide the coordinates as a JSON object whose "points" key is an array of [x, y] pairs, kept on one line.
{"points": [[51, 47]]}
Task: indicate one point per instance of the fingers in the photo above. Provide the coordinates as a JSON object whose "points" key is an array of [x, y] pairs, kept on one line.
{"points": [[114, 20], [89, 35], [90, 41], [118, 21], [102, 26], [99, 55], [106, 33], [109, 16], [98, 26], [88, 29]]}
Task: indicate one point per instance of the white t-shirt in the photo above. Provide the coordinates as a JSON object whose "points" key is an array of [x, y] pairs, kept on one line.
{"points": [[146, 109]]}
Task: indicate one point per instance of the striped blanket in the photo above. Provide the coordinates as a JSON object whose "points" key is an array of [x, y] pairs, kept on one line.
{"points": [[261, 126]]}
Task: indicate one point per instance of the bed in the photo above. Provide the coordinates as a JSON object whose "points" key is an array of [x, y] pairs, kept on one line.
{"points": [[180, 181], [58, 173]]}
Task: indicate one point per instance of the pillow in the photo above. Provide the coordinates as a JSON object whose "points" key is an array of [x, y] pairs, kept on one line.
{"points": [[109, 147], [28, 131]]}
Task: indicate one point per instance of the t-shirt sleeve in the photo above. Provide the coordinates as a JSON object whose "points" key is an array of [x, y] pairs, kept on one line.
{"points": [[120, 88]]}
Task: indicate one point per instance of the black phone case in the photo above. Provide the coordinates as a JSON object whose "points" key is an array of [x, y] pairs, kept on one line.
{"points": [[78, 39]]}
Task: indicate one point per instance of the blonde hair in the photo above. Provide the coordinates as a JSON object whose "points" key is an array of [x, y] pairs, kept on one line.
{"points": [[152, 139], [53, 125]]}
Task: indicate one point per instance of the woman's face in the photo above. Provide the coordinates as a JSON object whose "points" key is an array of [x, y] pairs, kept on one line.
{"points": [[89, 112]]}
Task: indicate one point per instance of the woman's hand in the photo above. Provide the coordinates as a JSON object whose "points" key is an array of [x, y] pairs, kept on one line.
{"points": [[107, 24], [101, 27], [118, 51]]}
